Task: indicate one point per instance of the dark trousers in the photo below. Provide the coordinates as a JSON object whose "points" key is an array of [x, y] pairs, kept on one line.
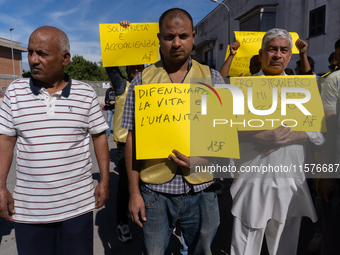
{"points": [[330, 229], [75, 237], [123, 190]]}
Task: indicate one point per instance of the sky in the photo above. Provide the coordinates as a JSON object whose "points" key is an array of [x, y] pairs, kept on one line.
{"points": [[80, 19]]}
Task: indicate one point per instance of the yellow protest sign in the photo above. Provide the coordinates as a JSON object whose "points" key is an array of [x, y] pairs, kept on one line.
{"points": [[271, 101], [136, 44], [240, 65], [251, 43], [168, 116]]}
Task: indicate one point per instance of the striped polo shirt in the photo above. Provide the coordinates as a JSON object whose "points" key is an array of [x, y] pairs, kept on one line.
{"points": [[54, 179]]}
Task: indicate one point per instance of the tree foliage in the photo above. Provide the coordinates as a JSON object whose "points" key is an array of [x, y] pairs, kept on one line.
{"points": [[26, 74], [82, 69]]}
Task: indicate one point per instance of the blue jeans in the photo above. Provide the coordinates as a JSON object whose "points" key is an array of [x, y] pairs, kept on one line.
{"points": [[109, 120], [197, 215], [184, 248]]}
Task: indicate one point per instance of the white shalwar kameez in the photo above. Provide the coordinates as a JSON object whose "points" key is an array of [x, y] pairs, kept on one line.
{"points": [[270, 204]]}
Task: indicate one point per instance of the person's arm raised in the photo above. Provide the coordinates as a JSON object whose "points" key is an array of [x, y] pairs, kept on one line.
{"points": [[302, 47], [224, 71]]}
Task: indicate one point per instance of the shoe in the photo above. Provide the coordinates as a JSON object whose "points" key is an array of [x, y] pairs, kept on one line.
{"points": [[315, 244], [124, 234], [107, 136]]}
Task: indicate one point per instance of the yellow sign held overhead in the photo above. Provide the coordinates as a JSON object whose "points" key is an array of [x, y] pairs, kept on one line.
{"points": [[136, 44], [251, 43]]}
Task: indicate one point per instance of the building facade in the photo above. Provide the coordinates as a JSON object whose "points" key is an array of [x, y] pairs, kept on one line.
{"points": [[6, 64], [316, 22]]}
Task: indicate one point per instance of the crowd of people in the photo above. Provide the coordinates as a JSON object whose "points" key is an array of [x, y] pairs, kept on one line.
{"points": [[50, 119]]}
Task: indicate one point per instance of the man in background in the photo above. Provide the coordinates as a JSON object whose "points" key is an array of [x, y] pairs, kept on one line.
{"points": [[330, 155], [110, 100], [121, 86]]}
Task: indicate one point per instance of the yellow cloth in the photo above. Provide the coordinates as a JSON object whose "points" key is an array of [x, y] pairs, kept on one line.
{"points": [[120, 134]]}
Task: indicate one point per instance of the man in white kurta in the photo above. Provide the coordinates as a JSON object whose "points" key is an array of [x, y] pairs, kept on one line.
{"points": [[271, 204]]}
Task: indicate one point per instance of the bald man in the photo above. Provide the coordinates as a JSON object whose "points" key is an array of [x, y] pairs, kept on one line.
{"points": [[49, 117]]}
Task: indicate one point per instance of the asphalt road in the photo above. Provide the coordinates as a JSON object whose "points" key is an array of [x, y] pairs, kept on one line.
{"points": [[105, 236]]}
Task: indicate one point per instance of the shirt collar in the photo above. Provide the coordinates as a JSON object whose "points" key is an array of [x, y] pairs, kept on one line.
{"points": [[189, 67], [65, 92], [190, 63], [261, 73]]}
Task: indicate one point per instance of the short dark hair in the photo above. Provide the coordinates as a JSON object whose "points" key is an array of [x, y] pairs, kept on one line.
{"points": [[311, 63], [337, 44], [253, 58], [175, 13], [289, 71], [331, 57]]}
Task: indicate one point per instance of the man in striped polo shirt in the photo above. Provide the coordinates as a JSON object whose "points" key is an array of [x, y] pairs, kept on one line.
{"points": [[49, 117]]}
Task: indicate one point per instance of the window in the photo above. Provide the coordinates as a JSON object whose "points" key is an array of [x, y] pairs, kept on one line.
{"points": [[221, 46], [209, 58], [317, 21], [260, 18]]}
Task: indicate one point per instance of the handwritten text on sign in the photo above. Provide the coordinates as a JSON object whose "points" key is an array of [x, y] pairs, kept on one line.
{"points": [[251, 43], [134, 45], [271, 101], [167, 117]]}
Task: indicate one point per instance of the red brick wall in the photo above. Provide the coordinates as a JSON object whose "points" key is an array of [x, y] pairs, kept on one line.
{"points": [[5, 83], [6, 65]]}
